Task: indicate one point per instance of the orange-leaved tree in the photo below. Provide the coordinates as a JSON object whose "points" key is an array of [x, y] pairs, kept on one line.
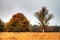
{"points": [[18, 23]]}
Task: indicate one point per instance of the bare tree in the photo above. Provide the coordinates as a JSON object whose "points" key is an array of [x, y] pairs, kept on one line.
{"points": [[43, 17]]}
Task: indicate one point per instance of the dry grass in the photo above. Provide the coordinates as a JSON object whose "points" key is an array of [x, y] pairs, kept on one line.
{"points": [[29, 36]]}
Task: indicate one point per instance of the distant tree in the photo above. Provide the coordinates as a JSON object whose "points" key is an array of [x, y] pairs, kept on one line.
{"points": [[55, 28], [1, 25], [59, 29], [43, 17], [36, 28], [49, 29], [32, 28], [18, 23]]}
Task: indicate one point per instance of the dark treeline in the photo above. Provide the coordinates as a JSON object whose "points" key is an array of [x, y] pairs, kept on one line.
{"points": [[19, 23], [36, 28]]}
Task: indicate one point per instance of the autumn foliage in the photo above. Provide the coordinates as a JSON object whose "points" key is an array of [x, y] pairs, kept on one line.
{"points": [[18, 23]]}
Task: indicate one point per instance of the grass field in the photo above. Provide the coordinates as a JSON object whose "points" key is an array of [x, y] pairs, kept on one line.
{"points": [[30, 36]]}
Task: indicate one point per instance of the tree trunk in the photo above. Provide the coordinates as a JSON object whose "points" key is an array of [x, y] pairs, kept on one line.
{"points": [[43, 30]]}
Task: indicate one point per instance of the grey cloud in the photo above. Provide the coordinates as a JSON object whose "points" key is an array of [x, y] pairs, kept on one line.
{"points": [[29, 7]]}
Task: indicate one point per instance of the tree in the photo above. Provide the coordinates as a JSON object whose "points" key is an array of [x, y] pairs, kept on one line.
{"points": [[1, 25], [43, 17], [18, 23], [31, 28], [56, 28]]}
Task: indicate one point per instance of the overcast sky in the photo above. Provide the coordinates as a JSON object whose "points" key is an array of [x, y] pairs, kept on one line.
{"points": [[29, 7]]}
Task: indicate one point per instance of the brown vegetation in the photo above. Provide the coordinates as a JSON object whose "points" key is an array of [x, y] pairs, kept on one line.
{"points": [[30, 36], [18, 22]]}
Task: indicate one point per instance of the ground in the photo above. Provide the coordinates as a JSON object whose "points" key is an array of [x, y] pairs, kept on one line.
{"points": [[30, 36]]}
